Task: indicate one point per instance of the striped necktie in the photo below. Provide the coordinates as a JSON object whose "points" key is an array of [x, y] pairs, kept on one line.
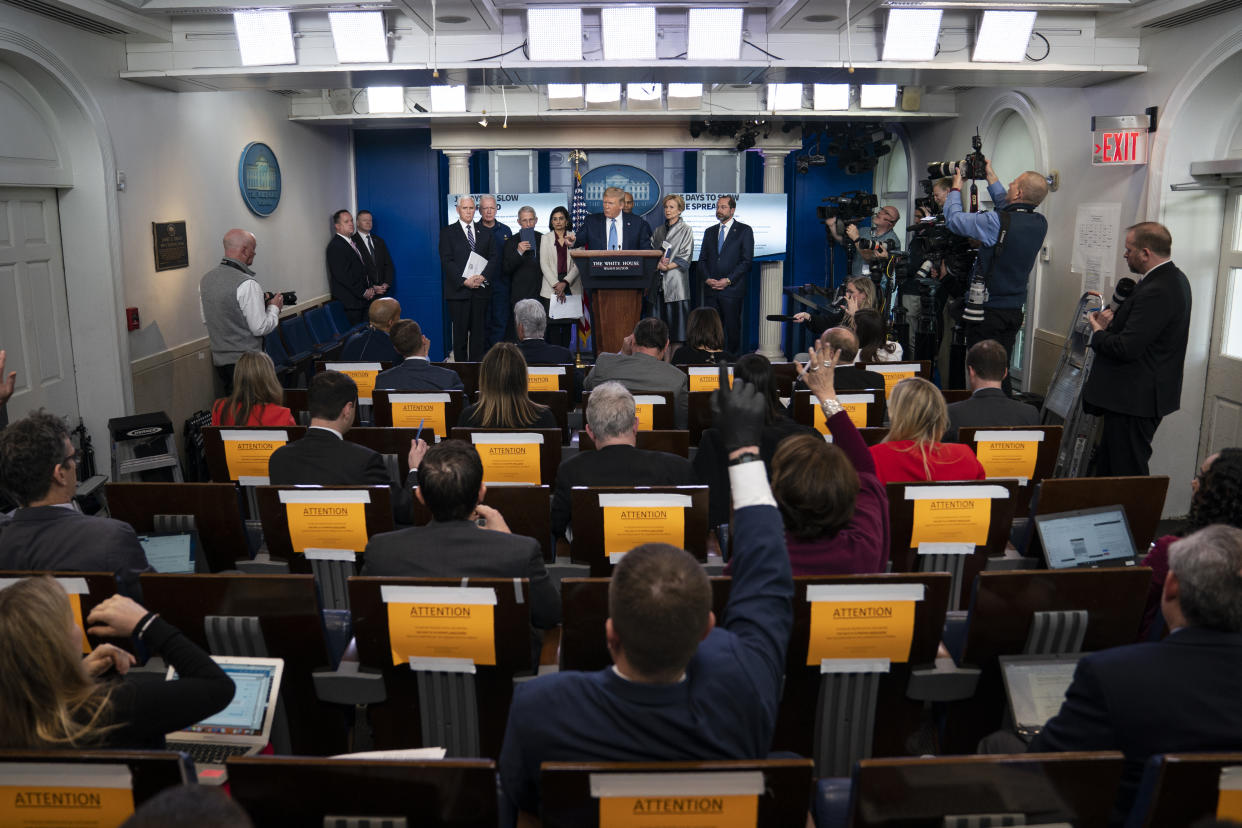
{"points": [[470, 236]]}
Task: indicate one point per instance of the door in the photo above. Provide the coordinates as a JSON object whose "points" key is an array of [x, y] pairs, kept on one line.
{"points": [[1222, 404], [34, 314]]}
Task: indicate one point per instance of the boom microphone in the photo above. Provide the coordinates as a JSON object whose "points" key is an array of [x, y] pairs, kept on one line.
{"points": [[780, 317]]}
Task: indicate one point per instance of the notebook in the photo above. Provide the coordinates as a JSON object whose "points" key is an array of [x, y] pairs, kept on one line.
{"points": [[1086, 537], [1035, 687], [170, 552], [241, 729]]}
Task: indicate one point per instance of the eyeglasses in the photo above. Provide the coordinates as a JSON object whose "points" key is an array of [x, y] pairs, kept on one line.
{"points": [[74, 458]]}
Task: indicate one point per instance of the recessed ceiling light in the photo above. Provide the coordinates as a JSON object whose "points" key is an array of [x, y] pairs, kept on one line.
{"points": [[452, 19], [820, 18]]}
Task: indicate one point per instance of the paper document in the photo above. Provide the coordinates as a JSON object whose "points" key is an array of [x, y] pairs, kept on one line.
{"points": [[571, 308], [475, 265]]}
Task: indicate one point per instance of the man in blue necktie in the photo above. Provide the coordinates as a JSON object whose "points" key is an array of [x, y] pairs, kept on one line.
{"points": [[725, 258]]}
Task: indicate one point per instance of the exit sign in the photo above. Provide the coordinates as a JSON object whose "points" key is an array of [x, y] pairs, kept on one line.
{"points": [[1119, 140]]}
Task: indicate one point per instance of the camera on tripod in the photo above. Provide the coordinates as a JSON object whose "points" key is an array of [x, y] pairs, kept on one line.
{"points": [[848, 207], [974, 166]]}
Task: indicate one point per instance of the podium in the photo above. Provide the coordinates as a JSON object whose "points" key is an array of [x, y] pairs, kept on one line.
{"points": [[616, 280]]}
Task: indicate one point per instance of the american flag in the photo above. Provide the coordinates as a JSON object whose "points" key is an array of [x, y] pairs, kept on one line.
{"points": [[577, 215]]}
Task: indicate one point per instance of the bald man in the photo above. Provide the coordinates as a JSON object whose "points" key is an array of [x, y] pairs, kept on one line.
{"points": [[234, 310], [1004, 269], [372, 343]]}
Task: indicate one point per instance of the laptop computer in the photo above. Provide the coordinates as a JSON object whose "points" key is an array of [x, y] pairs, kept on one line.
{"points": [[1086, 537], [243, 728], [1035, 687], [170, 552]]}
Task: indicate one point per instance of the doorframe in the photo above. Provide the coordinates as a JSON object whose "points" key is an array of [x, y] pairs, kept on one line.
{"points": [[1230, 245]]}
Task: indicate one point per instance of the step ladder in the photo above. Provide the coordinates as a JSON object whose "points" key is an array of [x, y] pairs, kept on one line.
{"points": [[143, 443]]}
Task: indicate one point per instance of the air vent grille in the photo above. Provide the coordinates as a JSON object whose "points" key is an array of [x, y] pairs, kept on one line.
{"points": [[1185, 18], [66, 16]]}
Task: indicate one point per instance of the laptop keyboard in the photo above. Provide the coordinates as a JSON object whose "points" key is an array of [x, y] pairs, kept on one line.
{"points": [[205, 754]]}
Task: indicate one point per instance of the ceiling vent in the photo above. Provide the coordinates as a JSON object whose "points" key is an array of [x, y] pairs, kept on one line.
{"points": [[67, 16], [1185, 18]]}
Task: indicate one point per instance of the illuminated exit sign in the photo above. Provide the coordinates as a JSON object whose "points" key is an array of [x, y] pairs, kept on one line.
{"points": [[1119, 140]]}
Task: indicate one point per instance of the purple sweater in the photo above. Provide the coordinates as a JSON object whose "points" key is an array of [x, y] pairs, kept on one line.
{"points": [[861, 548]]}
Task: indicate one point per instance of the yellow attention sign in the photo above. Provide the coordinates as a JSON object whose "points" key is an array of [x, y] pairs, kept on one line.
{"points": [[365, 379], [543, 382], [327, 526], [42, 806], [646, 416], [75, 604], [708, 380], [709, 811], [952, 520], [628, 526], [1009, 458], [430, 414], [891, 378], [510, 462], [442, 631], [248, 458], [861, 629], [856, 410]]}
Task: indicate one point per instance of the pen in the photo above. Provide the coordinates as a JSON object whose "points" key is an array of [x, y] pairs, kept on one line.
{"points": [[418, 434]]}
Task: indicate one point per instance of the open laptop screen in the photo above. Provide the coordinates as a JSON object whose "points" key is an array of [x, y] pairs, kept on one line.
{"points": [[244, 715], [1086, 537], [170, 553], [1036, 687]]}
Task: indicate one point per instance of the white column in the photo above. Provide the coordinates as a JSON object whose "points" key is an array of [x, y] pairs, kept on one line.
{"points": [[459, 170], [771, 274]]}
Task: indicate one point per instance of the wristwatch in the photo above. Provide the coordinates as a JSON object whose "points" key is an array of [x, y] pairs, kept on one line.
{"points": [[745, 457]]}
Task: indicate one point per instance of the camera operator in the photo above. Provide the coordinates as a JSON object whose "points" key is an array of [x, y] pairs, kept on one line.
{"points": [[870, 250], [233, 306], [934, 205], [1011, 237]]}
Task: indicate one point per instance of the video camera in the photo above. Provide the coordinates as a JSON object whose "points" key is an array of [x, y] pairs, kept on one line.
{"points": [[974, 166], [290, 297], [847, 207]]}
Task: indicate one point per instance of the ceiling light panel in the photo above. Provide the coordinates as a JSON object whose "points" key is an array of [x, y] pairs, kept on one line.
{"points": [[911, 34], [1003, 36], [784, 96], [448, 99], [554, 34], [831, 97], [685, 96], [264, 38], [359, 37], [714, 34], [385, 99], [629, 32], [565, 96], [877, 95], [603, 96]]}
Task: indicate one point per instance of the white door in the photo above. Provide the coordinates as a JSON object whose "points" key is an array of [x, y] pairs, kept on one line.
{"points": [[1222, 404], [34, 316]]}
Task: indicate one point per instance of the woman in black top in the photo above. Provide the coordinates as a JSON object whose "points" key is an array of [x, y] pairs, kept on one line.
{"points": [[704, 340], [504, 401], [51, 696]]}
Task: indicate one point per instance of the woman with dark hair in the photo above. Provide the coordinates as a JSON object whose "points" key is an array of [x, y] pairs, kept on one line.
{"points": [[710, 461], [559, 272], [834, 506], [504, 401], [912, 451], [1216, 497], [704, 340], [873, 344], [256, 398], [53, 697]]}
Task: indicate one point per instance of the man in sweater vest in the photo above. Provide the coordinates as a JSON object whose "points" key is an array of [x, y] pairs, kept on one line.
{"points": [[234, 310]]}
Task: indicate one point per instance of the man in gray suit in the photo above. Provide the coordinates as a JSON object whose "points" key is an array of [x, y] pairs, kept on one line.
{"points": [[640, 366], [453, 545], [987, 365]]}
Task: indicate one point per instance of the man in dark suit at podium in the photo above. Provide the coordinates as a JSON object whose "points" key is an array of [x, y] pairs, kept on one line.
{"points": [[725, 258], [467, 298], [613, 230], [1136, 379], [347, 270]]}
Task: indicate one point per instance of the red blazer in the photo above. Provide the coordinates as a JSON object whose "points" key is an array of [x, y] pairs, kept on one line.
{"points": [[897, 462], [264, 414]]}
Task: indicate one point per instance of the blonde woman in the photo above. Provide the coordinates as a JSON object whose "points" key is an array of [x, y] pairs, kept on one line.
{"points": [[912, 451], [676, 239], [559, 272], [53, 697], [256, 398], [504, 401]]}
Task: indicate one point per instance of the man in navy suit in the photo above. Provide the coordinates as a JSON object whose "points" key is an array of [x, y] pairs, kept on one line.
{"points": [[612, 230], [724, 262], [468, 297], [347, 270], [416, 373], [1179, 695]]}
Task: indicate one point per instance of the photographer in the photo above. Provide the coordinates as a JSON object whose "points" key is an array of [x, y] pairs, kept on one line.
{"points": [[1011, 237], [870, 250], [234, 309]]}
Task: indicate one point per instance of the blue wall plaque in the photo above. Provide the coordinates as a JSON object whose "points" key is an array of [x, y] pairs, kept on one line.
{"points": [[258, 177], [638, 183]]}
